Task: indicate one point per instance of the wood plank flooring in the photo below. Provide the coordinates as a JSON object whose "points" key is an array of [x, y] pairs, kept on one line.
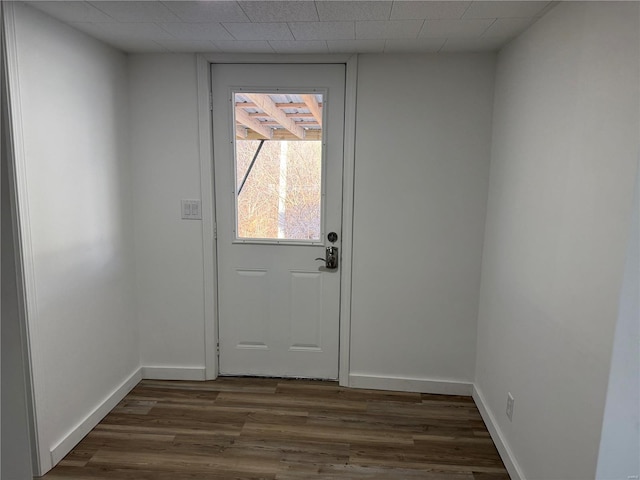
{"points": [[274, 429]]}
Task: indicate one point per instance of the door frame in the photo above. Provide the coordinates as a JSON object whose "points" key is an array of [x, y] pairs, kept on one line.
{"points": [[205, 134], [21, 232]]}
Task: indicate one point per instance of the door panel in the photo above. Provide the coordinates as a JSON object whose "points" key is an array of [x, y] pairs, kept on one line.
{"points": [[252, 326], [305, 320], [278, 307]]}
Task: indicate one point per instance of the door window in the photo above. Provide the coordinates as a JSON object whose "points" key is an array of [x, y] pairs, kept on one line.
{"points": [[278, 166]]}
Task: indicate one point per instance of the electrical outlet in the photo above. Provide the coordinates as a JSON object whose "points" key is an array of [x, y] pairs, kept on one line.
{"points": [[510, 402]]}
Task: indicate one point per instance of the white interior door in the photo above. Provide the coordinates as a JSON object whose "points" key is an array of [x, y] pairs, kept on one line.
{"points": [[278, 154]]}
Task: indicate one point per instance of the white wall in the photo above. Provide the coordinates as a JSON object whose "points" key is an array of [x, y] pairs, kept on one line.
{"points": [[564, 159], [84, 337], [423, 140], [619, 456], [166, 169], [433, 154]]}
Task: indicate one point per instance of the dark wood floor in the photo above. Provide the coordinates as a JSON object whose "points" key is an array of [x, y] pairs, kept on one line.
{"points": [[237, 428]]}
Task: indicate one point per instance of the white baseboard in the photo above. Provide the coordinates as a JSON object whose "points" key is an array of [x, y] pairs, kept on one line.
{"points": [[515, 472], [402, 384], [85, 426], [76, 434], [173, 373]]}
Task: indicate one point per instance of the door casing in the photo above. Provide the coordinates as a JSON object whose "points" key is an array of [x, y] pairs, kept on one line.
{"points": [[204, 62]]}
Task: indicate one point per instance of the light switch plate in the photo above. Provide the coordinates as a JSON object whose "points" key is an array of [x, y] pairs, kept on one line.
{"points": [[191, 209]]}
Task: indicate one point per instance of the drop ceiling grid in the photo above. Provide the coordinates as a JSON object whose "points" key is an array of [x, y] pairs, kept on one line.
{"points": [[299, 26]]}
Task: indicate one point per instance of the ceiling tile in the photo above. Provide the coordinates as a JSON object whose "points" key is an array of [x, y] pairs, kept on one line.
{"points": [[434, 10], [259, 31], [311, 46], [240, 46], [550, 6], [413, 46], [353, 10], [275, 11], [299, 26], [388, 29], [126, 43], [187, 46], [72, 11], [504, 9], [323, 30], [482, 44], [137, 46], [197, 31], [124, 31], [509, 27], [136, 11], [455, 28], [207, 11], [355, 46]]}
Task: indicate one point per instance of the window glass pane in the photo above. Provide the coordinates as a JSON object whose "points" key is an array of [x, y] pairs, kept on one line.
{"points": [[278, 178]]}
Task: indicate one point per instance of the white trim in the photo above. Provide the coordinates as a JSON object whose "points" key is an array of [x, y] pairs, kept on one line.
{"points": [[76, 434], [348, 177], [72, 438], [407, 384], [173, 373], [23, 245], [509, 459], [274, 58], [205, 139]]}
